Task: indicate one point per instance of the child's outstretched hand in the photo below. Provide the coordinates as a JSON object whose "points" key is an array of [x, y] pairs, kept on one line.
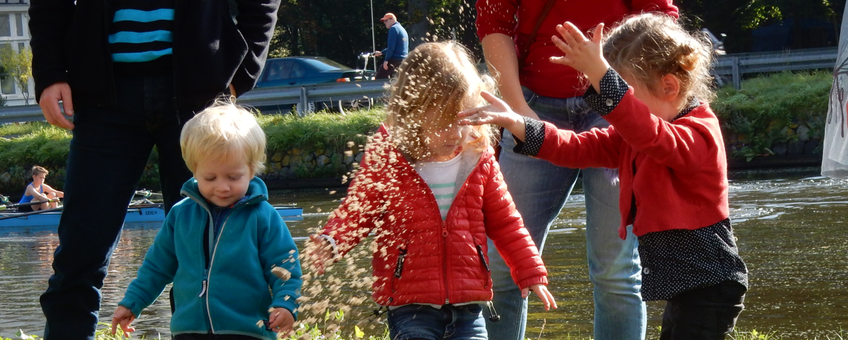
{"points": [[582, 54], [281, 320], [497, 112], [543, 293], [122, 317], [319, 253]]}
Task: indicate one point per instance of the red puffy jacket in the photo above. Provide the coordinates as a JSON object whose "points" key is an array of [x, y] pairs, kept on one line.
{"points": [[420, 258]]}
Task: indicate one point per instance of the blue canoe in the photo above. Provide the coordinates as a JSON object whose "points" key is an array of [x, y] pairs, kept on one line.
{"points": [[135, 214]]}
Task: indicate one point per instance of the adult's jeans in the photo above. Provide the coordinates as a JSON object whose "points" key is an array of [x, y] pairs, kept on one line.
{"points": [[540, 190], [109, 150]]}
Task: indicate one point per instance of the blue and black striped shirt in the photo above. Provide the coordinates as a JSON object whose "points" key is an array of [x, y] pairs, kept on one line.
{"points": [[140, 37]]}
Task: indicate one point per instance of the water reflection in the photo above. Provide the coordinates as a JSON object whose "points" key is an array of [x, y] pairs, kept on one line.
{"points": [[791, 227]]}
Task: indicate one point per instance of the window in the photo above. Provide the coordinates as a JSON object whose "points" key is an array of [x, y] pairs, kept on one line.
{"points": [[19, 24], [7, 84], [5, 26]]}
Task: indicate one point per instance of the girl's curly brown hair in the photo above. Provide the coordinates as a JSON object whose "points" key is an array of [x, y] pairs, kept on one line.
{"points": [[648, 46]]}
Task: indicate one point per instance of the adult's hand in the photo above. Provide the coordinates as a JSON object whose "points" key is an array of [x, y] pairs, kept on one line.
{"points": [[49, 103], [378, 53], [386, 65]]}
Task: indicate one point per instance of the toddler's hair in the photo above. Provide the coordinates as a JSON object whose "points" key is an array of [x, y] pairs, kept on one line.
{"points": [[435, 77], [38, 170], [222, 131], [646, 47]]}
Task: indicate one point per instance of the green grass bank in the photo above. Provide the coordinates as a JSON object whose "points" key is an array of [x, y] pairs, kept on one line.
{"points": [[775, 120]]}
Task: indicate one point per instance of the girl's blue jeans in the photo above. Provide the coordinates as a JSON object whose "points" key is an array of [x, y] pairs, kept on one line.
{"points": [[448, 322], [108, 154], [540, 190]]}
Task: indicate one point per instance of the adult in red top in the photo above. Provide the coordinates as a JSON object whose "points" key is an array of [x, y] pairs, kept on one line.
{"points": [[537, 88]]}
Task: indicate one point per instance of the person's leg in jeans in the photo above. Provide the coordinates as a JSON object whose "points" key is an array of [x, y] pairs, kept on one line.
{"points": [[109, 150], [619, 310], [539, 190], [614, 266]]}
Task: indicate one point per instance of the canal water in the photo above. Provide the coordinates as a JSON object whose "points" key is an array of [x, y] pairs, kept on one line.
{"points": [[791, 228]]}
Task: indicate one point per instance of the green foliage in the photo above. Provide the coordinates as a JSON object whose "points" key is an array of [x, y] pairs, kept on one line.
{"points": [[320, 130], [18, 64], [15, 129], [766, 109]]}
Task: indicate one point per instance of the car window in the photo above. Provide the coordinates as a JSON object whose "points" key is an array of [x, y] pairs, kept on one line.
{"points": [[297, 70], [277, 70], [324, 64]]}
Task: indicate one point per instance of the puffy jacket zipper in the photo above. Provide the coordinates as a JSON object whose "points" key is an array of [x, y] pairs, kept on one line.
{"points": [[444, 262], [399, 267]]}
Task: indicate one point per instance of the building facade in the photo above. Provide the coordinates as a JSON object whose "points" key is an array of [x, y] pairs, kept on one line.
{"points": [[14, 33]]}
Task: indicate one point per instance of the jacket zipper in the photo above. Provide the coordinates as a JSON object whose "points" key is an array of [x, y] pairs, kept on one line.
{"points": [[399, 267], [207, 273], [444, 261]]}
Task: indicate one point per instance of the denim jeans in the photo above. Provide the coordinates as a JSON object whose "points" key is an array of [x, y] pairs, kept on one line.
{"points": [[707, 313], [540, 190], [449, 322], [109, 150]]}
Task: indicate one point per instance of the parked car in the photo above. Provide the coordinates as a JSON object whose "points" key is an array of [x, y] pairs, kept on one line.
{"points": [[294, 71]]}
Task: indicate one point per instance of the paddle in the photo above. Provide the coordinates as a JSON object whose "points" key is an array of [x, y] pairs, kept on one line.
{"points": [[9, 206], [16, 215]]}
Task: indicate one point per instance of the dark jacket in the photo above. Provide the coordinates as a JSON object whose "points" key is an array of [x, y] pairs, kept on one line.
{"points": [[213, 47]]}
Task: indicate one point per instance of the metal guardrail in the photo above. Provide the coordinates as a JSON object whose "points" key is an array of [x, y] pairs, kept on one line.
{"points": [[21, 113], [735, 65], [731, 66], [270, 99]]}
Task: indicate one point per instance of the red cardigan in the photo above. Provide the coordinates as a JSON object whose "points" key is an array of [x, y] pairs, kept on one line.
{"points": [[538, 73], [673, 175], [443, 260]]}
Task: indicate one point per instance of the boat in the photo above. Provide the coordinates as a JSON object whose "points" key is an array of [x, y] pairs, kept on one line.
{"points": [[142, 213]]}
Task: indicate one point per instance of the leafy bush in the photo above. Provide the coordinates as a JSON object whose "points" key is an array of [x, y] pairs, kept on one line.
{"points": [[767, 109]]}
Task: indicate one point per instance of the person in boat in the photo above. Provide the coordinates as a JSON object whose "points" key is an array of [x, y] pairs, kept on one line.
{"points": [[39, 191], [247, 249]]}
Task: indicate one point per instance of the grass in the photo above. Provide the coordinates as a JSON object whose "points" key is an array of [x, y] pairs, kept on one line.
{"points": [[314, 332], [16, 129]]}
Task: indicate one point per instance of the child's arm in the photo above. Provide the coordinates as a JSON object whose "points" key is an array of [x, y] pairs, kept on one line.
{"points": [[582, 54], [156, 271], [597, 148], [123, 317], [506, 229], [279, 256], [498, 113], [363, 206], [320, 252]]}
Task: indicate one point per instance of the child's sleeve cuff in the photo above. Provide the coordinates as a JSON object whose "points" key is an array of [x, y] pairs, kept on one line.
{"points": [[613, 89], [534, 136]]}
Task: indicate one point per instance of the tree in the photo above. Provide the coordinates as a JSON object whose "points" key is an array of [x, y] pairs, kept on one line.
{"points": [[738, 19], [341, 29], [18, 65]]}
